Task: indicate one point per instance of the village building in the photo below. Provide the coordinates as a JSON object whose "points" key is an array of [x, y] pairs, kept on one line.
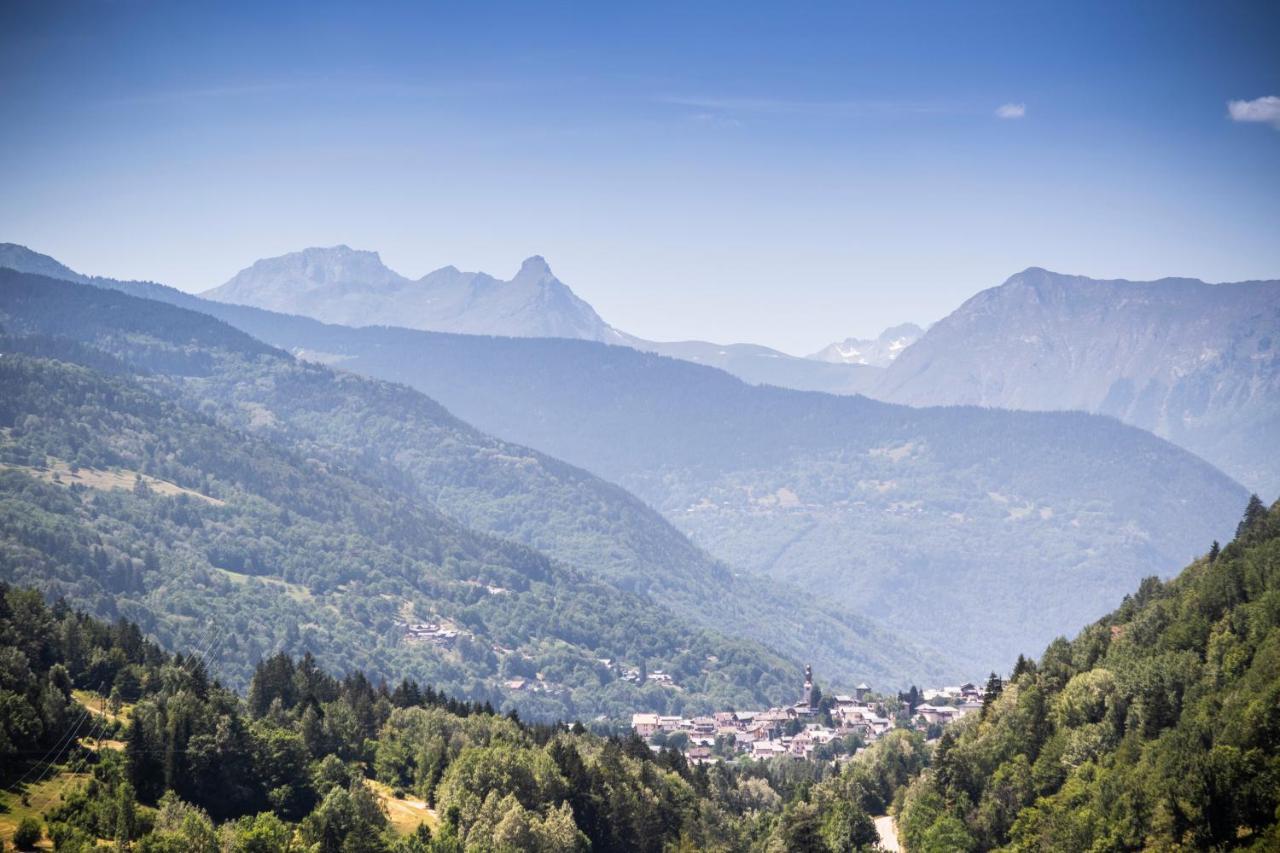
{"points": [[762, 734], [644, 724]]}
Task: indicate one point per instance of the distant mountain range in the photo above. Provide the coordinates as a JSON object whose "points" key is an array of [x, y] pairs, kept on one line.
{"points": [[875, 352], [406, 443], [1196, 363], [982, 531], [354, 288], [158, 463]]}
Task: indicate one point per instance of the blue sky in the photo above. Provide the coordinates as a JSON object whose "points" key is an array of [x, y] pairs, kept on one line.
{"points": [[786, 174]]}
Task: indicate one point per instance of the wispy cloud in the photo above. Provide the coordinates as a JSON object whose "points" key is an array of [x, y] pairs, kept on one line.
{"points": [[1011, 111], [327, 84], [202, 93], [716, 119], [799, 107], [1265, 109]]}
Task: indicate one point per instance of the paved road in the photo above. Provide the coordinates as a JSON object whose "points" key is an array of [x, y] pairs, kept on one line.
{"points": [[888, 833]]}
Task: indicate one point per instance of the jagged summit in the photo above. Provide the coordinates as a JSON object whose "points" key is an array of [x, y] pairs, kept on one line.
{"points": [[877, 352], [535, 266], [353, 287]]}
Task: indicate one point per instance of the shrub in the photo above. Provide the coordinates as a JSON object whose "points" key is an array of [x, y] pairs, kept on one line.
{"points": [[27, 835]]}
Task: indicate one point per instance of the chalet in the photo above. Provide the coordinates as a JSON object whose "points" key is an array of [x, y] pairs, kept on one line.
{"points": [[644, 725], [699, 755], [767, 749], [702, 726], [801, 745], [938, 713]]}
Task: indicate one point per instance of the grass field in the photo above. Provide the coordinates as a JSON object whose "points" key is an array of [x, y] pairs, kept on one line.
{"points": [[405, 814], [98, 706], [297, 592], [61, 472], [33, 801]]}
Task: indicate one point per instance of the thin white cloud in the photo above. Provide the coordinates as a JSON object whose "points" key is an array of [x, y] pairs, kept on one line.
{"points": [[786, 106], [1265, 109], [1011, 111]]}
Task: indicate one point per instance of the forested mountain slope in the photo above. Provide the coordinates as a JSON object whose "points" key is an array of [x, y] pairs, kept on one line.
{"points": [[1196, 363], [107, 739], [404, 441], [932, 520], [132, 504], [1157, 728], [924, 518]]}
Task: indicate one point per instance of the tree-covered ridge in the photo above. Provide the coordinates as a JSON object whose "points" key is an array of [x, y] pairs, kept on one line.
{"points": [[221, 535], [1158, 727], [918, 518], [405, 441], [171, 760]]}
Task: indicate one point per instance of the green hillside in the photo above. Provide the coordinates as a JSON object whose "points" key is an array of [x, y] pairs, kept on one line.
{"points": [[105, 739], [131, 504], [978, 531], [401, 440], [1157, 728]]}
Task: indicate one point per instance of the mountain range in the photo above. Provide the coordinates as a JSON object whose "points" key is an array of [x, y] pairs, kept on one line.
{"points": [[354, 288], [1196, 363], [406, 445], [983, 532], [1192, 362], [919, 518], [342, 285]]}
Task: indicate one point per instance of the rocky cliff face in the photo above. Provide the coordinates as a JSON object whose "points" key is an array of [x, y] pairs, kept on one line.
{"points": [[354, 288], [1196, 363]]}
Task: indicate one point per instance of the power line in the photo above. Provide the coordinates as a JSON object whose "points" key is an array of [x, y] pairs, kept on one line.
{"points": [[100, 728]]}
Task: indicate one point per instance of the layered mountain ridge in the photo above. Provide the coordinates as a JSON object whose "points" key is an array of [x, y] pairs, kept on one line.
{"points": [[915, 518], [411, 444], [1196, 363], [354, 288], [1192, 362]]}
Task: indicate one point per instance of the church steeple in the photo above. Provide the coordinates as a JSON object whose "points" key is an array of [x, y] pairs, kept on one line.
{"points": [[807, 699]]}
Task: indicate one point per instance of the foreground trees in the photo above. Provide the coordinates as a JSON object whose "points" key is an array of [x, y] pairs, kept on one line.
{"points": [[311, 761], [1157, 727]]}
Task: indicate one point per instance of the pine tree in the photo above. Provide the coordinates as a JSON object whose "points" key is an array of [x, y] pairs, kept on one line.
{"points": [[1253, 513], [995, 686]]}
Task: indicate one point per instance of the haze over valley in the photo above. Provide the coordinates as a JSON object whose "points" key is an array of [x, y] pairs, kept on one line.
{"points": [[650, 428], [906, 519]]}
